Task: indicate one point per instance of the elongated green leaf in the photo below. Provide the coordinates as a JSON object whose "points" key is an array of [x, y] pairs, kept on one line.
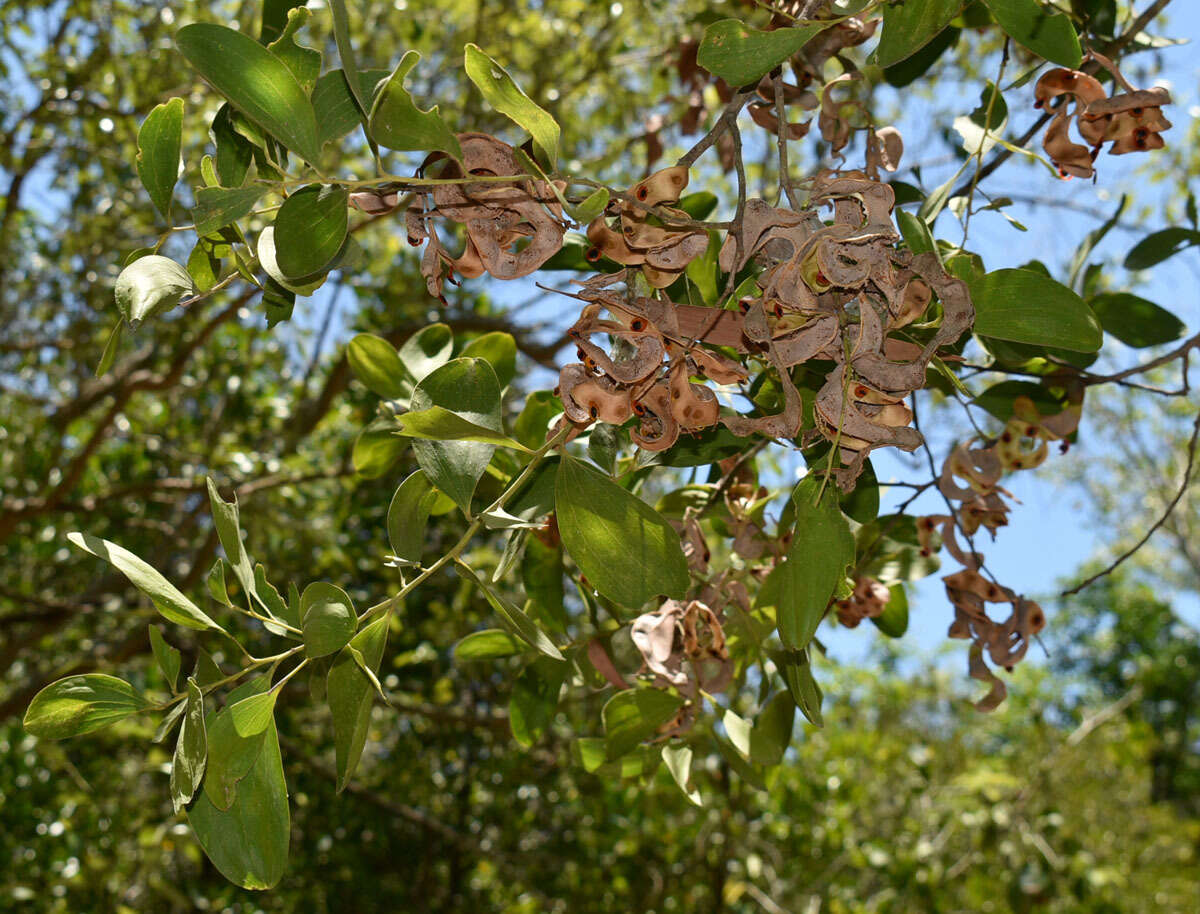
{"points": [[168, 658], [336, 107], [397, 123], [345, 49], [534, 699], [170, 603], [626, 549], [377, 448], [502, 93], [1135, 321], [1038, 27], [796, 670], [915, 231], [489, 644], [497, 349], [81, 704], [329, 619], [917, 65], [150, 286], [742, 56], [427, 349], [408, 514], [516, 620], [1025, 306], [634, 715], [230, 755], [159, 141], [255, 81], [310, 229], [251, 715], [542, 577], [894, 620], [374, 362], [304, 63], [773, 730], [191, 750], [998, 399], [248, 841], [801, 586], [469, 388], [217, 207], [111, 348], [350, 694], [437, 424], [910, 25], [1158, 246], [678, 759]]}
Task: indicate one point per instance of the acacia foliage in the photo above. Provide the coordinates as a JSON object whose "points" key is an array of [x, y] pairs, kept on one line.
{"points": [[626, 550]]}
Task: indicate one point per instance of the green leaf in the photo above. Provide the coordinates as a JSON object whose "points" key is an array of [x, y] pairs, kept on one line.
{"points": [[773, 730], [336, 108], [377, 448], [217, 207], [111, 348], [408, 514], [310, 229], [738, 730], [216, 582], [150, 286], [801, 586], [497, 349], [796, 670], [329, 619], [915, 231], [1158, 246], [248, 841], [678, 759], [437, 424], [81, 704], [270, 264], [226, 518], [590, 207], [255, 81], [699, 205], [1024, 306], [998, 399], [542, 578], [304, 63], [634, 715], [345, 49], [604, 443], [628, 551], [540, 409], [427, 349], [168, 658], [489, 644], [1048, 34], [1135, 321], [170, 603], [159, 141], [894, 620], [230, 755], [191, 750], [534, 699], [910, 25], [470, 389], [234, 151], [515, 620], [741, 56], [862, 505], [912, 68], [351, 693], [397, 123], [251, 715], [375, 363], [981, 127], [503, 94]]}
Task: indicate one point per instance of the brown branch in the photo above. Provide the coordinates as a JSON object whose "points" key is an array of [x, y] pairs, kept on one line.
{"points": [[1183, 487]]}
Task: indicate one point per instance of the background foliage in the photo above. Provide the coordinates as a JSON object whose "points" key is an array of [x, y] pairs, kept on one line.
{"points": [[1082, 794]]}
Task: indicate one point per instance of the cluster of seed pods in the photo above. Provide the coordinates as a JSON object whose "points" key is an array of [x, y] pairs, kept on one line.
{"points": [[838, 293], [971, 479], [1132, 121]]}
